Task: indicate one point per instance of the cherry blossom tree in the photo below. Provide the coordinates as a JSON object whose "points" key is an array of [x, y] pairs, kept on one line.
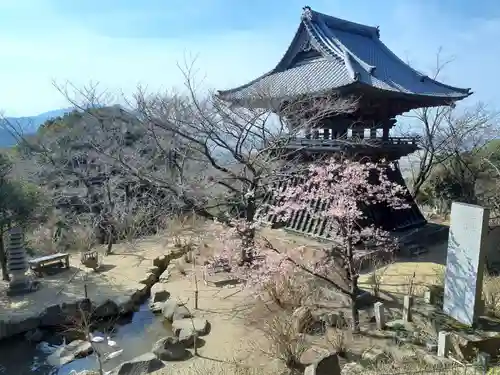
{"points": [[347, 188]]}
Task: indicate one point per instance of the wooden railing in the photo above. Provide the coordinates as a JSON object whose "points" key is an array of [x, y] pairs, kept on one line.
{"points": [[312, 142]]}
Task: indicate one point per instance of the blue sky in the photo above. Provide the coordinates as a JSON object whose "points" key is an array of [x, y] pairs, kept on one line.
{"points": [[123, 43]]}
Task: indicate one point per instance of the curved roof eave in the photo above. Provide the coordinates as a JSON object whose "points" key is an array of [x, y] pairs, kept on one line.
{"points": [[465, 91]]}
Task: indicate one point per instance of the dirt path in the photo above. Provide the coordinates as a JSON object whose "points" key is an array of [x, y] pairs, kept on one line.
{"points": [[231, 339]]}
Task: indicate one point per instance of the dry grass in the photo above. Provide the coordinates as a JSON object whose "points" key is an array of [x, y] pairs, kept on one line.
{"points": [[78, 238], [396, 276], [336, 340], [201, 366], [374, 280], [286, 343], [288, 293]]}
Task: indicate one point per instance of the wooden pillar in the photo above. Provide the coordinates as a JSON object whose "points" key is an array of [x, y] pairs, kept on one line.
{"points": [[373, 132], [385, 134]]}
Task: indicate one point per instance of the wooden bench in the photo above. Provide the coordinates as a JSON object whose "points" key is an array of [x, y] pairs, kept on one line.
{"points": [[37, 265]]}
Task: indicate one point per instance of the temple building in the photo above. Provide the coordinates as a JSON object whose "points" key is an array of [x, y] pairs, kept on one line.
{"points": [[331, 56]]}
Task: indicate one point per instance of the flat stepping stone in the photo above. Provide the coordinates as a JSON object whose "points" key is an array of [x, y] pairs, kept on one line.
{"points": [[221, 279]]}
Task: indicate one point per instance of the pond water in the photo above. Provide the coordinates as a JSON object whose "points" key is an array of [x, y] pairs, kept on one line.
{"points": [[135, 336]]}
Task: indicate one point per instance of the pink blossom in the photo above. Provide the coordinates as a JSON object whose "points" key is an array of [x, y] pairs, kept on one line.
{"points": [[343, 186]]}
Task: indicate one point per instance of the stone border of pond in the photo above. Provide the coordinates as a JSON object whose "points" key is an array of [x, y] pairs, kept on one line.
{"points": [[60, 314]]}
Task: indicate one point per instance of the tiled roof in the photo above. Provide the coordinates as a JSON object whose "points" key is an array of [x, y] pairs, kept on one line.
{"points": [[347, 54]]}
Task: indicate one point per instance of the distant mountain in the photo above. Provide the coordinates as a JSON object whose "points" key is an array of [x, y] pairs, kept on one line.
{"points": [[28, 125]]}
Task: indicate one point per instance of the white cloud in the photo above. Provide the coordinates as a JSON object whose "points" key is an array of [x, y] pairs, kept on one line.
{"points": [[45, 46]]}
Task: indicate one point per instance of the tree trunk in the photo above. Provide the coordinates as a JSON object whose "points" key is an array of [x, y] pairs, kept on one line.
{"points": [[3, 258], [352, 276], [355, 313], [248, 233], [354, 303]]}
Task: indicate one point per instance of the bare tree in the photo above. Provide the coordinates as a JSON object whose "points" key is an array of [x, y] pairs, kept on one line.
{"points": [[447, 131], [81, 183], [213, 158], [460, 170]]}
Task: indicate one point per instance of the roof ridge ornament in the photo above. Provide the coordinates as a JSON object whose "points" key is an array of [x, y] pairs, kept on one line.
{"points": [[307, 13]]}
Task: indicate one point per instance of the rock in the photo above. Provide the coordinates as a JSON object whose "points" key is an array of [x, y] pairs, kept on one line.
{"points": [[372, 355], [169, 308], [159, 293], [156, 307], [352, 368], [181, 312], [149, 279], [142, 291], [143, 364], [124, 303], [464, 345], [312, 354], [302, 319], [167, 273], [73, 309], [186, 337], [155, 270], [328, 365], [35, 335], [221, 279], [199, 325], [170, 349], [12, 326], [161, 261], [106, 309], [51, 316], [172, 311], [66, 354]]}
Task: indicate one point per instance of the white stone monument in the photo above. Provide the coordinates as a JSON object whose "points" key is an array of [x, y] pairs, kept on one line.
{"points": [[465, 262]]}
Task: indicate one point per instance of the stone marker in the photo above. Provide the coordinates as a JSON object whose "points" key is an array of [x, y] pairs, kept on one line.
{"points": [[407, 305], [428, 298], [379, 310], [465, 262], [484, 359], [443, 344]]}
